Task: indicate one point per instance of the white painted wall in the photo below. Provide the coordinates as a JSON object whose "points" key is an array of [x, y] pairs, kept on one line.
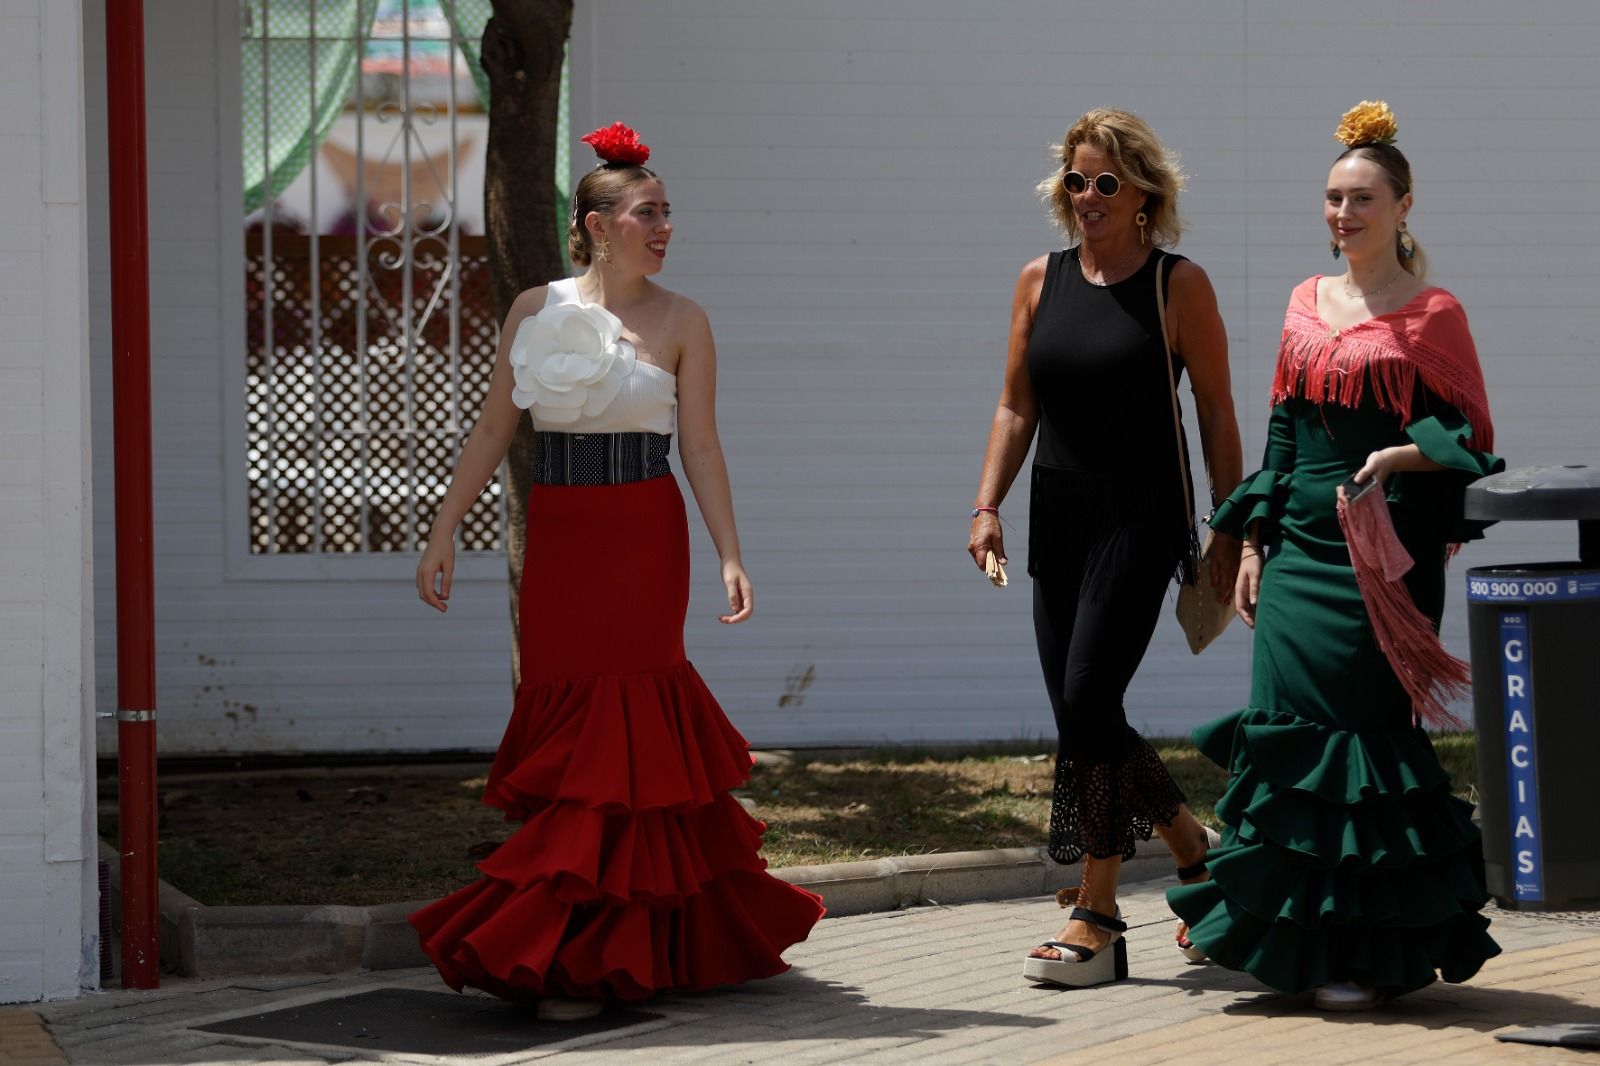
{"points": [[853, 186], [48, 888], [253, 656]]}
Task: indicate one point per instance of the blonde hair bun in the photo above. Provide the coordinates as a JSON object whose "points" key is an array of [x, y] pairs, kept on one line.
{"points": [[1369, 122]]}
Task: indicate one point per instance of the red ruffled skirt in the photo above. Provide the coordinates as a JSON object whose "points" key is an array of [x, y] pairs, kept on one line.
{"points": [[634, 870]]}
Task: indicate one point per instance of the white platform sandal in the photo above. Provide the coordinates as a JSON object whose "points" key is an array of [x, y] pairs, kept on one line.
{"points": [[1081, 967]]}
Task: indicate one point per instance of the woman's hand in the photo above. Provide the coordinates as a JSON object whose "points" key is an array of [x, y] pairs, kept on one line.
{"points": [[1386, 461], [741, 594], [1247, 586], [1380, 464], [986, 538], [434, 570], [1224, 561]]}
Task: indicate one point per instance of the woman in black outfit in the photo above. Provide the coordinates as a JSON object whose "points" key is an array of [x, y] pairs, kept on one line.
{"points": [[1108, 530]]}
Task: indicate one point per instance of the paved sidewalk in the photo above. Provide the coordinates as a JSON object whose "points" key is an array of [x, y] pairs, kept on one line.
{"points": [[24, 1041], [936, 985]]}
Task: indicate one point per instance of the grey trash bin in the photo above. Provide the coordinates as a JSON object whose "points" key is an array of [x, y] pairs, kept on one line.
{"points": [[1535, 638]]}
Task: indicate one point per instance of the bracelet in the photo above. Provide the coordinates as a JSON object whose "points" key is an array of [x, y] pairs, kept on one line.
{"points": [[976, 511]]}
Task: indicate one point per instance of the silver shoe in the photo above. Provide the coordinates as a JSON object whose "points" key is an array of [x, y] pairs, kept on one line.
{"points": [[1347, 995]]}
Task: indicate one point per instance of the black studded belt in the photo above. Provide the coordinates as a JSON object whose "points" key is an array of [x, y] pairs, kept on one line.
{"points": [[599, 458]]}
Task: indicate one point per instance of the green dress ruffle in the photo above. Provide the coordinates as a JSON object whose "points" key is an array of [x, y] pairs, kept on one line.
{"points": [[1344, 855]]}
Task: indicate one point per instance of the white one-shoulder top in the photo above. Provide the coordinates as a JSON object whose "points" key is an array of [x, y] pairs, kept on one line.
{"points": [[563, 396]]}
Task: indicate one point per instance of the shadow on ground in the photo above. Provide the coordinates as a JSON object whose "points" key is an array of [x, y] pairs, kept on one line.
{"points": [[1439, 1006]]}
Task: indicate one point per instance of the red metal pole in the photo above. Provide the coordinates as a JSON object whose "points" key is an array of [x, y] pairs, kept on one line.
{"points": [[136, 621]]}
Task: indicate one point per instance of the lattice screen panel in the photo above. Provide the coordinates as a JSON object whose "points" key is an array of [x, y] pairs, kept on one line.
{"points": [[353, 427]]}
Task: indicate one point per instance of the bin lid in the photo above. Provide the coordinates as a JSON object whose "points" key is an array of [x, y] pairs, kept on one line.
{"points": [[1536, 492]]}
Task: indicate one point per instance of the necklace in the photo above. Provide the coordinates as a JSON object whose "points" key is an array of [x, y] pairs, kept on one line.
{"points": [[1370, 293], [1105, 273]]}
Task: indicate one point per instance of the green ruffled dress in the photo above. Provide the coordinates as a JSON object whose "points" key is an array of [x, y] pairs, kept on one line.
{"points": [[1344, 855]]}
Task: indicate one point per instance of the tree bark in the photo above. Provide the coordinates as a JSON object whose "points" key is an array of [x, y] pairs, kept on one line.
{"points": [[522, 52]]}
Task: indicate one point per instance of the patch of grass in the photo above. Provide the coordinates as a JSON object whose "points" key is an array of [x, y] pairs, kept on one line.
{"points": [[348, 837], [370, 836], [1458, 754]]}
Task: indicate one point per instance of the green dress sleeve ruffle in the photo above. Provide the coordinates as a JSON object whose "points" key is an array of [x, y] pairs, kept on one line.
{"points": [[1264, 493], [1262, 496], [1445, 437]]}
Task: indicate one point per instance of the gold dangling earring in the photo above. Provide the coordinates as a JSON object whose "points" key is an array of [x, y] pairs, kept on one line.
{"points": [[602, 251], [1141, 219], [1408, 243]]}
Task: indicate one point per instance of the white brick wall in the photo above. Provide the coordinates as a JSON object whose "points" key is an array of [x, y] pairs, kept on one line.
{"points": [[48, 900], [853, 186]]}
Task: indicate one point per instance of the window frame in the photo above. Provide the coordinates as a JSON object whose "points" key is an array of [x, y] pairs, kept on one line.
{"points": [[239, 562]]}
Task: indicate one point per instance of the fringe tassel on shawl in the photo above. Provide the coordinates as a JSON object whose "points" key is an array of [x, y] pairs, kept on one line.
{"points": [[1429, 674], [1325, 370]]}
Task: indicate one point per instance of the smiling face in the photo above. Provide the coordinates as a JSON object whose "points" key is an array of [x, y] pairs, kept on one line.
{"points": [[638, 230], [1361, 208], [1099, 217]]}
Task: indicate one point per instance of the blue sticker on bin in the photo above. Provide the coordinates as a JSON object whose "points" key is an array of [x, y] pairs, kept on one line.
{"points": [[1522, 776], [1542, 588]]}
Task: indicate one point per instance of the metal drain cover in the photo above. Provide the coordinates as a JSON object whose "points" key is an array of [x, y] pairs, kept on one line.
{"points": [[427, 1023]]}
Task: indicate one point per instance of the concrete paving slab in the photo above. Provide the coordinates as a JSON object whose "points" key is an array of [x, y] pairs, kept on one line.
{"points": [[934, 985]]}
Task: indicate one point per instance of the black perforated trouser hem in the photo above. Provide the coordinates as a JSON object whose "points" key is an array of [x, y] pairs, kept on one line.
{"points": [[1105, 809]]}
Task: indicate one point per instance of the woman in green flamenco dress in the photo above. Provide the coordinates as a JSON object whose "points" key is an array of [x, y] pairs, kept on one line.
{"points": [[1346, 864]]}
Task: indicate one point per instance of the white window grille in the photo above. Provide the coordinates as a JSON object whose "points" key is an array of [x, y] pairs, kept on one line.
{"points": [[370, 328]]}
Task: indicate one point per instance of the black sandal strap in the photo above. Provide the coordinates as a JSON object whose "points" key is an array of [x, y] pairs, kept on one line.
{"points": [[1104, 921], [1084, 954], [1193, 870]]}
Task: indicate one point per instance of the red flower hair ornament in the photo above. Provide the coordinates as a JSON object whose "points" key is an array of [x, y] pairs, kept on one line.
{"points": [[617, 143]]}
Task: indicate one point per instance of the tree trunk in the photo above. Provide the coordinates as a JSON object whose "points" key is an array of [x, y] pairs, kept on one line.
{"points": [[522, 51]]}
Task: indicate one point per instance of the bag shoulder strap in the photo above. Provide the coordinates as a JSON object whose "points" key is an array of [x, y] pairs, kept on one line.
{"points": [[1172, 389]]}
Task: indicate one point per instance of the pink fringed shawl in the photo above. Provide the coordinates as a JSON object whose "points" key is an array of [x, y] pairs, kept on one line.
{"points": [[1429, 674], [1427, 337]]}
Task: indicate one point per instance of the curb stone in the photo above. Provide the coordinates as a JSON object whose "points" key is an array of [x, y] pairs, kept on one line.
{"points": [[202, 941]]}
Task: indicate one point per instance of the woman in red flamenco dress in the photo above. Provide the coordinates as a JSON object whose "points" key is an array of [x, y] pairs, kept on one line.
{"points": [[634, 870]]}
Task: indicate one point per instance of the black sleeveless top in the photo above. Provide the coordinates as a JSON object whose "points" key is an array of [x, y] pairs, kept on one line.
{"points": [[1107, 456]]}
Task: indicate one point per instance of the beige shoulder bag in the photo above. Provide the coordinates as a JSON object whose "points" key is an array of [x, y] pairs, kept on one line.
{"points": [[1203, 619]]}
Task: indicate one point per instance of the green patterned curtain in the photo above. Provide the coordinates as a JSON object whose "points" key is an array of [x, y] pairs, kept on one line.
{"points": [[309, 52], [468, 17], [310, 79]]}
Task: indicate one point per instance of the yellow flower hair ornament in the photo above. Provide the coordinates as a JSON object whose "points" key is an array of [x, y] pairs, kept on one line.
{"points": [[1369, 122]]}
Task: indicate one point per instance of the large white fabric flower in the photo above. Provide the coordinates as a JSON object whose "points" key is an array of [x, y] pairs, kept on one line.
{"points": [[569, 360]]}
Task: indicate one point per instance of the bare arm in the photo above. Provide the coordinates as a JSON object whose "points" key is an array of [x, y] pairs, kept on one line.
{"points": [[1380, 464], [1202, 339], [480, 457], [1015, 418], [700, 451]]}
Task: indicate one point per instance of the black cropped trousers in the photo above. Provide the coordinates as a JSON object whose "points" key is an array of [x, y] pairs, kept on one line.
{"points": [[1093, 620]]}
